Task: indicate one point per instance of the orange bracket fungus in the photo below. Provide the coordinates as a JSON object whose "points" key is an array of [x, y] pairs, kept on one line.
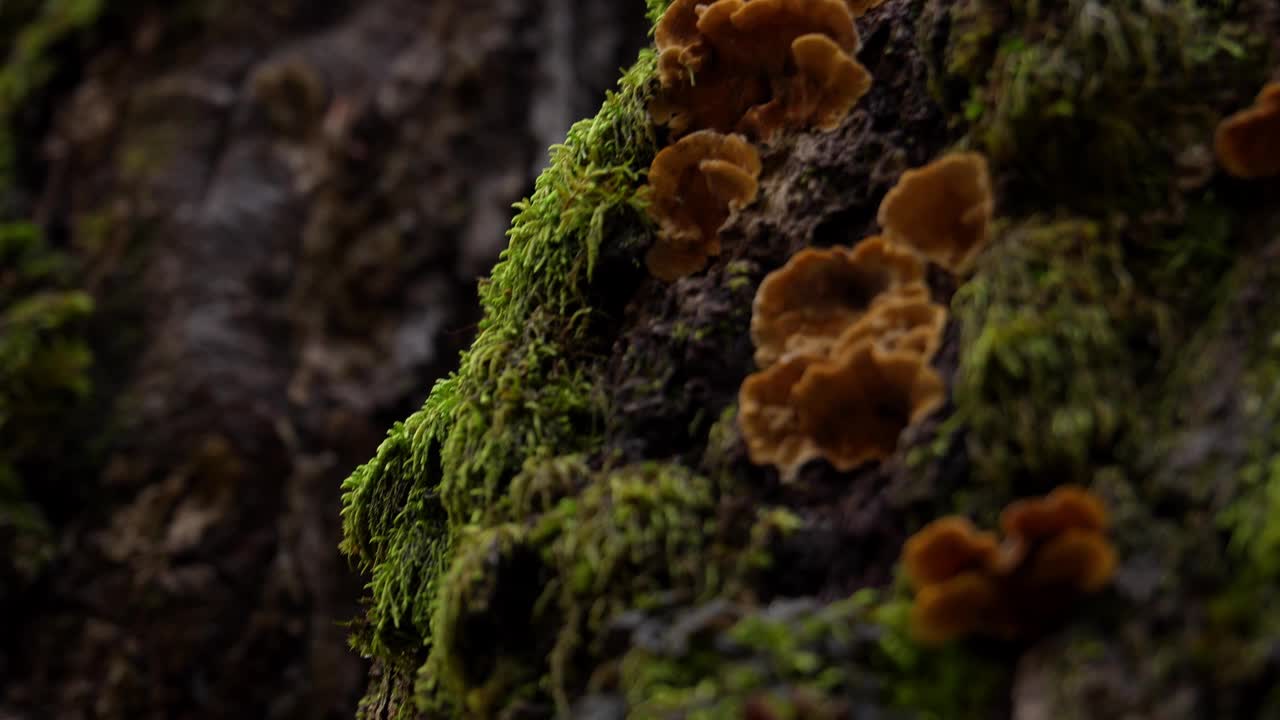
{"points": [[943, 209], [848, 410], [1248, 143], [1054, 551], [805, 306], [769, 419], [824, 87], [846, 338], [694, 185], [902, 319], [856, 406], [757, 65], [945, 548]]}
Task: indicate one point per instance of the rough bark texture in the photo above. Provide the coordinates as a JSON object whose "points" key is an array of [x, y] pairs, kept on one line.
{"points": [[570, 526], [281, 210]]}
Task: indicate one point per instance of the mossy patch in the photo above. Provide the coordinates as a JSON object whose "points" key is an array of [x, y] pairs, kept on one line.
{"points": [[44, 362], [1055, 342], [802, 659], [524, 390], [1124, 89]]}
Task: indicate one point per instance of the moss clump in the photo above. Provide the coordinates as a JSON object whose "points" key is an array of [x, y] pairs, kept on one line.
{"points": [[1055, 343], [526, 602], [1122, 88], [800, 659], [44, 362], [524, 390]]}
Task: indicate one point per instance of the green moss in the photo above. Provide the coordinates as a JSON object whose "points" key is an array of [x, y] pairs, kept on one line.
{"points": [[44, 362], [524, 601], [525, 389], [1122, 88], [798, 658], [1055, 342]]}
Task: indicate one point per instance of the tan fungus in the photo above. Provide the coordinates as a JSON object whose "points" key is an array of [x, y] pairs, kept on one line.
{"points": [[1248, 143], [943, 209], [856, 406], [803, 307], [694, 185]]}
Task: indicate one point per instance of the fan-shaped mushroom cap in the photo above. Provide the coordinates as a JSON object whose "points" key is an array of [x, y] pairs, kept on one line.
{"points": [[1067, 507], [856, 405], [901, 319], [1248, 142], [759, 33], [953, 608], [694, 185], [945, 548], [768, 419], [943, 209], [804, 306], [827, 82], [1077, 559], [720, 60]]}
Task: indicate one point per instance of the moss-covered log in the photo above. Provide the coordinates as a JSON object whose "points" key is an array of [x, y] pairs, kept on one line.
{"points": [[571, 526]]}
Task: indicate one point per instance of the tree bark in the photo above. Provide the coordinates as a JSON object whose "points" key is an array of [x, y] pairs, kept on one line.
{"points": [[281, 210], [572, 526]]}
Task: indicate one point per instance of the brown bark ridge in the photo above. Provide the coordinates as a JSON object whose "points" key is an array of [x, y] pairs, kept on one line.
{"points": [[282, 211]]}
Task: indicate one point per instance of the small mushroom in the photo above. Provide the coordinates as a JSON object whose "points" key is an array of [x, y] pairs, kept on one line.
{"points": [[944, 209], [1054, 552], [803, 307], [1248, 143], [954, 607], [759, 33], [825, 85], [857, 405], [902, 319], [694, 185], [730, 65], [768, 418], [945, 548], [1076, 559]]}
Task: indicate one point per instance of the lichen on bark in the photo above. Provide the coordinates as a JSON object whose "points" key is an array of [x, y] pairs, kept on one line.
{"points": [[571, 523]]}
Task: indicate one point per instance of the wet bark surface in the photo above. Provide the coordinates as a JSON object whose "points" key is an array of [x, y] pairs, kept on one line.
{"points": [[283, 213]]}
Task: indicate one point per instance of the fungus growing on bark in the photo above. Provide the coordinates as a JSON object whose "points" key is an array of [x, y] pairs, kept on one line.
{"points": [[945, 548], [1248, 142], [732, 64], [768, 417], [902, 319], [954, 608], [827, 82], [855, 406], [1035, 521], [803, 307], [758, 33], [942, 209], [695, 184], [1054, 551]]}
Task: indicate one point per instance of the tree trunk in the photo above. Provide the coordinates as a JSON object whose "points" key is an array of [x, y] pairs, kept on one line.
{"points": [[572, 524], [280, 210]]}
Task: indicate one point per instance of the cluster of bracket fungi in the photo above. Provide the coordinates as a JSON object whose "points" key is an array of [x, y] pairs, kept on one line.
{"points": [[845, 337], [1248, 142], [733, 72], [1055, 550]]}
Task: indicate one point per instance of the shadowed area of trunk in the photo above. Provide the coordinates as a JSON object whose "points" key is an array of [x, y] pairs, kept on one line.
{"points": [[281, 210]]}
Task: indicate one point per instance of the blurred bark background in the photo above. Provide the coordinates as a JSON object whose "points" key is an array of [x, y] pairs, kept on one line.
{"points": [[280, 210]]}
